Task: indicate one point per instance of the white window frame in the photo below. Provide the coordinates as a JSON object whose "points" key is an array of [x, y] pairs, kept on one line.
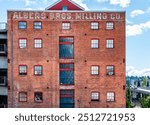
{"points": [[66, 26], [95, 96], [23, 96], [94, 25], [110, 25], [94, 70], [22, 43], [110, 43], [110, 96], [37, 43], [37, 25], [94, 43]]}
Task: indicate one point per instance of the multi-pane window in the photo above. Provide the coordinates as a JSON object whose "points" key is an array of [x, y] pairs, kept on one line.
{"points": [[22, 25], [22, 43], [94, 70], [38, 43], [95, 25], [109, 43], [66, 73], [38, 97], [110, 70], [38, 70], [95, 96], [22, 96], [3, 80], [23, 70], [110, 96], [37, 25], [66, 48], [94, 43], [66, 25], [66, 98], [109, 25]]}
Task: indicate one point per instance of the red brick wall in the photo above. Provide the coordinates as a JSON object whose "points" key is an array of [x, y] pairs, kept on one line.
{"points": [[48, 56]]}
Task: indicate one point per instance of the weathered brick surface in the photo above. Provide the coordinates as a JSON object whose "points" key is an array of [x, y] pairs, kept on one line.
{"points": [[48, 57]]}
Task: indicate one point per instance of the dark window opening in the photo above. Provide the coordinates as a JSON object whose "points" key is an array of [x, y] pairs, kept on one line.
{"points": [[66, 98], [67, 74], [38, 97], [66, 48]]}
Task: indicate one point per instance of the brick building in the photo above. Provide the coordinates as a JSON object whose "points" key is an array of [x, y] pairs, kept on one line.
{"points": [[66, 57]]}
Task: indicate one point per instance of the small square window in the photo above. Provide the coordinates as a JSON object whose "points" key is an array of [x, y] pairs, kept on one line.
{"points": [[38, 97], [22, 25], [22, 43], [95, 70], [110, 70], [65, 8], [22, 70], [37, 25], [110, 96], [94, 25], [95, 96], [22, 96], [38, 43], [66, 26], [37, 70], [95, 43], [109, 25], [110, 43]]}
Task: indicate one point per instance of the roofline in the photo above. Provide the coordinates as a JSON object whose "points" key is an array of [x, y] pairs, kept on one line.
{"points": [[61, 0], [63, 11]]}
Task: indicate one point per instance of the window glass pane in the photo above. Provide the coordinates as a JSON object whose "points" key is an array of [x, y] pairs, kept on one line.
{"points": [[66, 77], [22, 43], [23, 96], [2, 47], [94, 25], [37, 25], [95, 95], [110, 43], [94, 43], [66, 26], [22, 70], [22, 25], [94, 70], [66, 39], [110, 70], [109, 25], [67, 98], [38, 70], [38, 43], [66, 51], [110, 96]]}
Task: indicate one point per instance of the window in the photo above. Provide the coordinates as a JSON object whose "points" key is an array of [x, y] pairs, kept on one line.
{"points": [[3, 80], [2, 48], [110, 70], [109, 25], [22, 96], [66, 98], [95, 96], [38, 43], [37, 25], [65, 8], [66, 48], [37, 70], [38, 97], [67, 73], [110, 43], [95, 70], [22, 25], [94, 43], [66, 26], [22, 43], [110, 96], [23, 70], [94, 25]]}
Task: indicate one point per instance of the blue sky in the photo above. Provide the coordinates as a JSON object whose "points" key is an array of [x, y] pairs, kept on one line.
{"points": [[138, 25]]}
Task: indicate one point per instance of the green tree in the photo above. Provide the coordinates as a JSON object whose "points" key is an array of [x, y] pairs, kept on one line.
{"points": [[145, 102], [128, 95], [145, 81]]}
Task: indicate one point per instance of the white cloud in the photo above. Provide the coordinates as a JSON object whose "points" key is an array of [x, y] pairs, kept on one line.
{"points": [[122, 3], [136, 13], [81, 3], [132, 71], [137, 29]]}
